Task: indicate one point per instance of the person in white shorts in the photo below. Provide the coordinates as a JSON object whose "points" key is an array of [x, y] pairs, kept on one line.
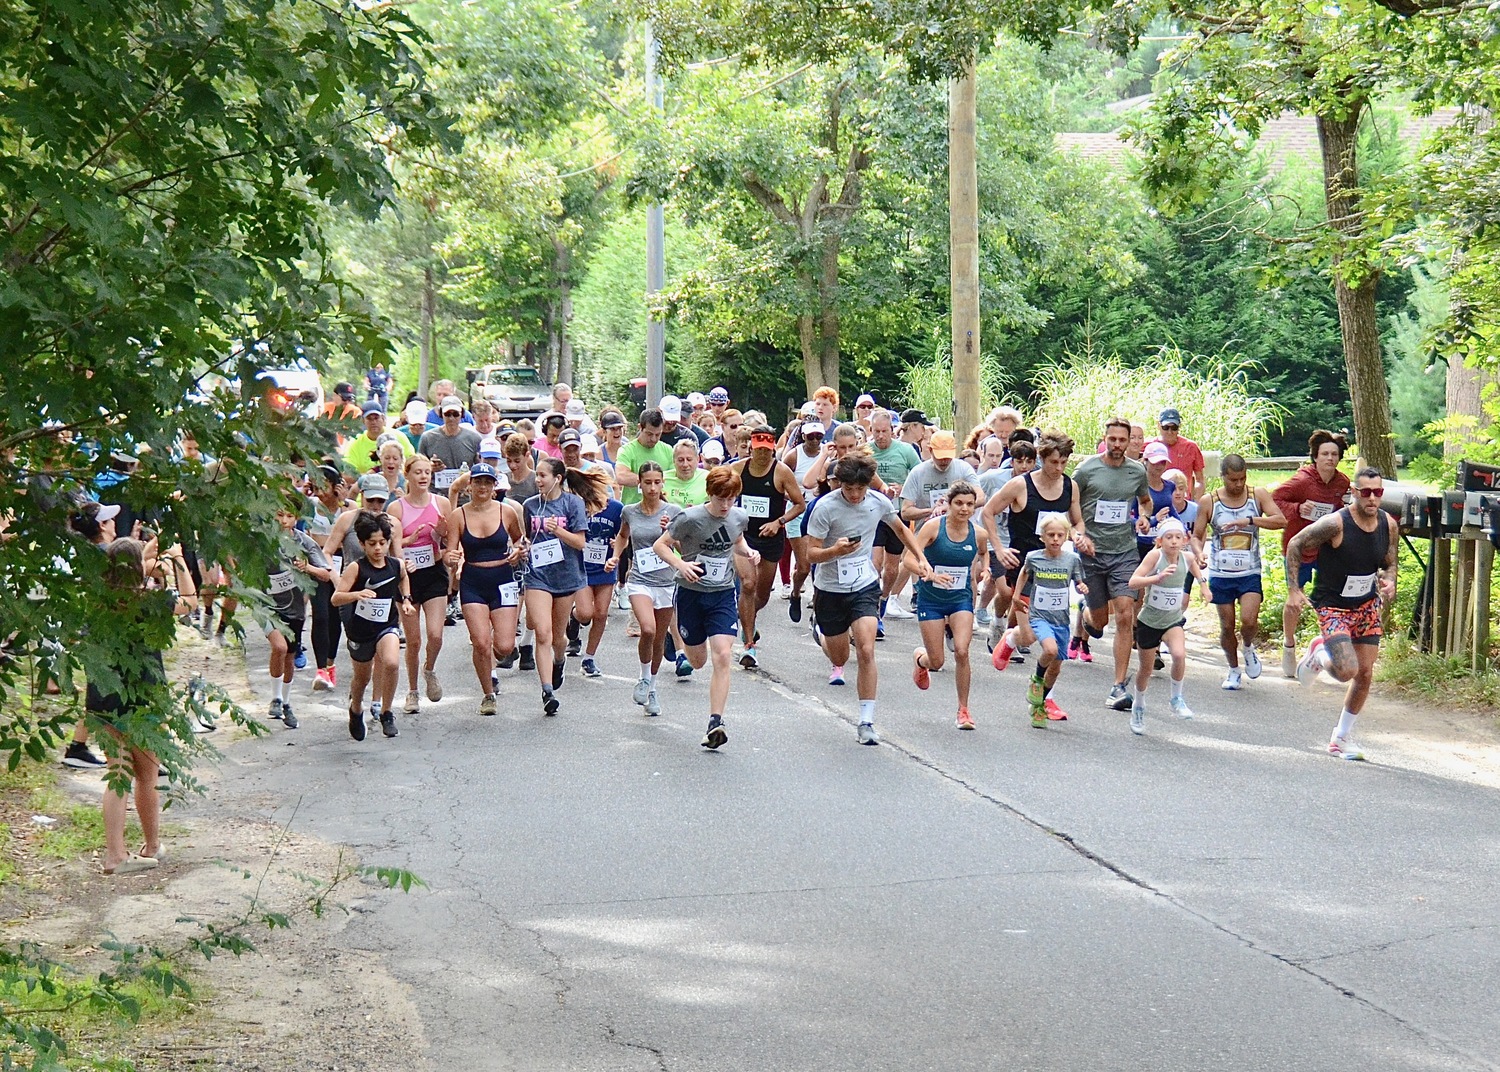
{"points": [[652, 585]]}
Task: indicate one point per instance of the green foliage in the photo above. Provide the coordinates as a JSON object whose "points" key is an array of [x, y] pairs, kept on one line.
{"points": [[1418, 373], [1219, 410], [928, 385]]}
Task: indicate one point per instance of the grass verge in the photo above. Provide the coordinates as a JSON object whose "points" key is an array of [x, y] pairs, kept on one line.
{"points": [[1449, 683]]}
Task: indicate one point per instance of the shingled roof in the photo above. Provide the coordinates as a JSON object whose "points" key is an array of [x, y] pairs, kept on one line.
{"points": [[1288, 137]]}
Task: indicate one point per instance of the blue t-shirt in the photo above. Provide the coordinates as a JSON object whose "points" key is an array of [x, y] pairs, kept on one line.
{"points": [[1159, 499], [603, 528], [555, 569]]}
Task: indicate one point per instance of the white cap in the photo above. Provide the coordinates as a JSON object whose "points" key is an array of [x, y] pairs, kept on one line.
{"points": [[697, 399], [671, 408], [416, 413], [865, 400], [808, 409], [575, 408], [814, 428], [590, 445], [713, 449], [107, 512]]}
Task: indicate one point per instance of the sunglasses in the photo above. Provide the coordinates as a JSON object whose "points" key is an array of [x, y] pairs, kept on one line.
{"points": [[865, 405], [1168, 427], [1371, 493]]}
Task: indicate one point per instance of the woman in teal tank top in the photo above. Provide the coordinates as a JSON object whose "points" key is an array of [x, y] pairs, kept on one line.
{"points": [[1162, 580], [957, 551]]}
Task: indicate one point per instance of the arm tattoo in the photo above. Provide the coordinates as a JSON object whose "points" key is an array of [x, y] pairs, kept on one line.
{"points": [[1317, 534]]}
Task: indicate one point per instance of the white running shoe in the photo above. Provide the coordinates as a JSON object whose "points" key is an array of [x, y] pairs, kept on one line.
{"points": [[1288, 660], [895, 610], [1138, 716], [1181, 709], [1307, 669], [1251, 659], [642, 691], [1345, 748], [1232, 682], [653, 705]]}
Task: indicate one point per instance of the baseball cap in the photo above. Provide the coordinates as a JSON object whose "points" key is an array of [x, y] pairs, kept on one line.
{"points": [[373, 486], [490, 448], [944, 445], [451, 404], [808, 409], [371, 407], [915, 416], [671, 408], [612, 420], [482, 471], [415, 412], [696, 399], [590, 445], [864, 400], [107, 512], [505, 427], [762, 439], [813, 428], [1157, 452], [345, 390], [1169, 416], [717, 395], [570, 438], [713, 449], [575, 408]]}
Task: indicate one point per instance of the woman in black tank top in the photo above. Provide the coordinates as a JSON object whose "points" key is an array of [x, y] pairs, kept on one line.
{"points": [[370, 592], [487, 589]]}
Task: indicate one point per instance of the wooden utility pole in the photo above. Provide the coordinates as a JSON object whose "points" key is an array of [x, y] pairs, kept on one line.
{"points": [[963, 247], [656, 268]]}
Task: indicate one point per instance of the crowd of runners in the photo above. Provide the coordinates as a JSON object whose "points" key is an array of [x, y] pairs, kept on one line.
{"points": [[530, 533]]}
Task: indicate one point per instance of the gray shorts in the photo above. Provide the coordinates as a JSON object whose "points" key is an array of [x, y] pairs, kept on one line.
{"points": [[1108, 576]]}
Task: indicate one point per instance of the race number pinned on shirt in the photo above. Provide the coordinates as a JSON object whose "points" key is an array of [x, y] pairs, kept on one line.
{"points": [[715, 570], [1320, 510], [596, 552], [1358, 586], [756, 505], [1235, 561], [282, 582], [647, 560], [1168, 599], [546, 553], [373, 610], [510, 594], [1112, 511], [958, 577], [443, 479], [1049, 600], [337, 564], [856, 571], [419, 557]]}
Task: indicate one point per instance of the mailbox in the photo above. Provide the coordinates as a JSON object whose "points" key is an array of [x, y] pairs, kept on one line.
{"points": [[1453, 512]]}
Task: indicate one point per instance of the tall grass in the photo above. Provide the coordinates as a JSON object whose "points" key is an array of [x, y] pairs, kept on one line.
{"points": [[927, 385], [1219, 411]]}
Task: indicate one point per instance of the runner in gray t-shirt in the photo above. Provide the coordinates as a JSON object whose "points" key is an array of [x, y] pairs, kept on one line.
{"points": [[450, 450], [846, 585]]}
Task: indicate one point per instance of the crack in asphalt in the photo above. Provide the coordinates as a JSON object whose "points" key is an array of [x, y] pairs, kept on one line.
{"points": [[1381, 947], [612, 1037], [794, 693]]}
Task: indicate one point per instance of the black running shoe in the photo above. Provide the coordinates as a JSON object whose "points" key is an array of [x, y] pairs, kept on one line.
{"points": [[508, 660], [288, 719], [80, 757], [716, 735], [550, 704], [528, 657], [357, 723], [557, 675], [388, 724], [794, 608]]}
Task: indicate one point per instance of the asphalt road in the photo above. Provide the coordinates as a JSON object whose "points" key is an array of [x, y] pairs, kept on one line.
{"points": [[1219, 894]]}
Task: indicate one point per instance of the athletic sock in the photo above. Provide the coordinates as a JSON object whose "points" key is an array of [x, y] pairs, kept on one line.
{"points": [[1040, 673], [1346, 723], [645, 671], [867, 712], [1177, 690]]}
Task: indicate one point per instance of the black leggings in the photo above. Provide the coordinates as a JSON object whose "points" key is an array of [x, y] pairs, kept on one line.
{"points": [[327, 626]]}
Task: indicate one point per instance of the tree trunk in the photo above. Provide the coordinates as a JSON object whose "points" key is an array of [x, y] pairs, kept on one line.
{"points": [[1466, 396], [828, 311], [429, 318], [1354, 290], [549, 355], [563, 265], [811, 367]]}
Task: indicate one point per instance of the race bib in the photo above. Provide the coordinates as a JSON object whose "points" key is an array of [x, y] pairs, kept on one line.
{"points": [[373, 610], [282, 582], [1112, 511], [337, 564], [715, 570], [1320, 510], [647, 560], [510, 594], [1235, 561], [443, 479], [856, 571], [419, 557], [1361, 585], [596, 552], [1164, 598], [1044, 516], [756, 505], [959, 577], [546, 553], [1049, 600]]}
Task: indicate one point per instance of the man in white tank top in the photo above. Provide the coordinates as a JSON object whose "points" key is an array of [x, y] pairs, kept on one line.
{"points": [[1231, 519]]}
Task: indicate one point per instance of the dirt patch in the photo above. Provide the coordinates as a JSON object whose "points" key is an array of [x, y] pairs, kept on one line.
{"points": [[299, 1001]]}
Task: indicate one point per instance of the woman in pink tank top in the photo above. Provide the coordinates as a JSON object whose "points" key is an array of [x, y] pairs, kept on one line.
{"points": [[422, 524]]}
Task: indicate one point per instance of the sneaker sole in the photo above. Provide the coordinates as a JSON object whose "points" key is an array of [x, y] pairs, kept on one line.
{"points": [[715, 739]]}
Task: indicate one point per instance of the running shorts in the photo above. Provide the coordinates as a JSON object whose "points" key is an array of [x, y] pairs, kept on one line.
{"points": [[1058, 631], [1108, 576], [837, 611], [1360, 624], [362, 651], [429, 583], [1222, 590], [701, 615], [482, 584], [661, 596], [1149, 639]]}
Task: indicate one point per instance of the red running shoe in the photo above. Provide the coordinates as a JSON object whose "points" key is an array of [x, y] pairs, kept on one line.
{"points": [[1055, 713]]}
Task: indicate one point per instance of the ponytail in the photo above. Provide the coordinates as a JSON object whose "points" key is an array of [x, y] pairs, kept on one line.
{"points": [[592, 487]]}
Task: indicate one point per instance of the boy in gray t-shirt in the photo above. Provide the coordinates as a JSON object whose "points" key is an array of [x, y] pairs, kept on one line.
{"points": [[1043, 588]]}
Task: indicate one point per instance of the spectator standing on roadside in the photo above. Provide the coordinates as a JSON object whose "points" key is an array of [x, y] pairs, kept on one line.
{"points": [[378, 380]]}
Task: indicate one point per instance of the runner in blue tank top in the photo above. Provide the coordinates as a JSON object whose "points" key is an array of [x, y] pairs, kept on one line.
{"points": [[957, 550]]}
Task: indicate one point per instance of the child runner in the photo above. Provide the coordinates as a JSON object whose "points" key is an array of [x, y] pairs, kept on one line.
{"points": [[600, 561], [1162, 579], [958, 553], [423, 518], [700, 544], [486, 539], [652, 586], [327, 627], [299, 553], [556, 520], [371, 587], [1043, 585]]}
